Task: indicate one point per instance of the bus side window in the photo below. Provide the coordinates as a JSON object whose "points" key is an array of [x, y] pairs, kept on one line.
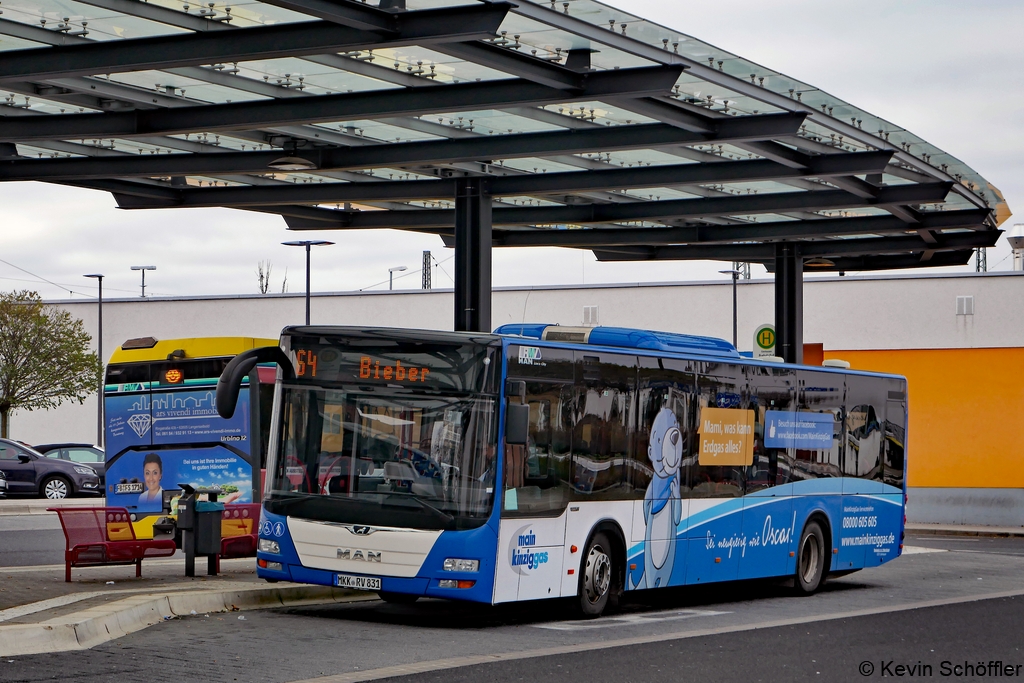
{"points": [[772, 389], [536, 476], [663, 383], [895, 432], [719, 385], [602, 434], [865, 416], [821, 392]]}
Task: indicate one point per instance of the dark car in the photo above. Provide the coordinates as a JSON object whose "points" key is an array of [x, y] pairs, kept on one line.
{"points": [[82, 453], [28, 471]]}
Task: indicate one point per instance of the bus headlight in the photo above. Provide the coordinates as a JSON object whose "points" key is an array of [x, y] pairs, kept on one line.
{"points": [[268, 546], [452, 564]]}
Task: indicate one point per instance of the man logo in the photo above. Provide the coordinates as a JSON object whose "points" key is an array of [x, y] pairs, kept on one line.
{"points": [[361, 530], [359, 555]]}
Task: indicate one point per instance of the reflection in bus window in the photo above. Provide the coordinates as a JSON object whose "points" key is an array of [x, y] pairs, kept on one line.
{"points": [[537, 475], [439, 449], [771, 389], [664, 383], [602, 431], [820, 392], [719, 385], [865, 400]]}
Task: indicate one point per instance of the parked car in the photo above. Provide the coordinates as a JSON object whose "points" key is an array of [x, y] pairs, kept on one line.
{"points": [[82, 453], [3, 484], [28, 471]]}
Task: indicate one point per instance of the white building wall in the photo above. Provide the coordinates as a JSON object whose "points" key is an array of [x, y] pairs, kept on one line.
{"points": [[896, 312]]}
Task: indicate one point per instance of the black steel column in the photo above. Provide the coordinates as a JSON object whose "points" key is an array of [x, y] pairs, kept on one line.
{"points": [[472, 255], [789, 303]]}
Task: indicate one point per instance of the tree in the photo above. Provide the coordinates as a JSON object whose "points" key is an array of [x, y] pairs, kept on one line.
{"points": [[263, 270], [44, 357]]}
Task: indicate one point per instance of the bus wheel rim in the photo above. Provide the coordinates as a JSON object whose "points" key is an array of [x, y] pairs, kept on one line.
{"points": [[809, 558], [598, 575], [56, 489]]}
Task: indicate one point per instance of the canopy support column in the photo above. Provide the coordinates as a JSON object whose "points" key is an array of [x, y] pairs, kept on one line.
{"points": [[789, 303], [472, 255]]}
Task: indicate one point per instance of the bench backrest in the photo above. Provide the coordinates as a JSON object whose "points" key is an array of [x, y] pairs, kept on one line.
{"points": [[87, 525], [239, 519]]}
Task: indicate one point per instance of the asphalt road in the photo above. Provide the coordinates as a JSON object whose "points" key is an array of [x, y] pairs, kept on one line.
{"points": [[892, 615], [27, 540]]}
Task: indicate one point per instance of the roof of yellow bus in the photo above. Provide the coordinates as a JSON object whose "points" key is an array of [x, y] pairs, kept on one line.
{"points": [[198, 347]]}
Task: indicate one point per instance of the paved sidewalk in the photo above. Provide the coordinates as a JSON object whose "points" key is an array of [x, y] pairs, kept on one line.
{"points": [[23, 585], [40, 613]]}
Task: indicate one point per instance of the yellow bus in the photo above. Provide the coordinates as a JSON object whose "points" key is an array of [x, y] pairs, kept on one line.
{"points": [[162, 427]]}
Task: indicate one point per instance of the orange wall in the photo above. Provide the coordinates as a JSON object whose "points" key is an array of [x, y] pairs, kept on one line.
{"points": [[966, 413]]}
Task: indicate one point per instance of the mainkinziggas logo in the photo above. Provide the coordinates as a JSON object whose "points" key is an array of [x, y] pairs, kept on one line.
{"points": [[521, 553]]}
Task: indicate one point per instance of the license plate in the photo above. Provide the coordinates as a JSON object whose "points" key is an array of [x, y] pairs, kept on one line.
{"points": [[360, 583]]}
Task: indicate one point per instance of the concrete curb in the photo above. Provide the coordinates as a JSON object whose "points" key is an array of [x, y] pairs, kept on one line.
{"points": [[37, 506], [103, 623]]}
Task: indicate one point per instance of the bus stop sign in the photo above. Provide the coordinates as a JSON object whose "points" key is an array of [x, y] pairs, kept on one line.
{"points": [[764, 341]]}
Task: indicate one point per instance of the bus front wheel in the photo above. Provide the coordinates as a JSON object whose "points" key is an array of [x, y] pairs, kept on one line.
{"points": [[810, 560], [596, 577]]}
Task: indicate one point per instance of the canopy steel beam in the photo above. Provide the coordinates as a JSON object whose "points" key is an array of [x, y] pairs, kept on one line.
{"points": [[422, 27], [893, 262], [529, 184], [483, 148], [735, 205], [312, 109], [354, 14], [827, 248], [973, 219]]}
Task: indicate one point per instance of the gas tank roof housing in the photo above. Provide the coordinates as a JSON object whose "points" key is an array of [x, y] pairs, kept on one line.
{"points": [[623, 337]]}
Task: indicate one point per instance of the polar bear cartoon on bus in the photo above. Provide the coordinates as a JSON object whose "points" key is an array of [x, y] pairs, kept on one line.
{"points": [[662, 504]]}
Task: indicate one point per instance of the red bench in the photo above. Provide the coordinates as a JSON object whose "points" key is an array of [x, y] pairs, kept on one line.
{"points": [[239, 527], [104, 536]]}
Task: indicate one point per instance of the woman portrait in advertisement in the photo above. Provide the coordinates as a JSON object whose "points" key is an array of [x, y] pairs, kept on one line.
{"points": [[153, 470]]}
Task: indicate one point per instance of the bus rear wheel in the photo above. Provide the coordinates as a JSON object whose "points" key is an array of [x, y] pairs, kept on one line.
{"points": [[397, 598], [596, 577], [810, 560]]}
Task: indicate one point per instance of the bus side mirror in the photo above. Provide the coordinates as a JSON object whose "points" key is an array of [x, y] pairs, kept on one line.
{"points": [[230, 382], [517, 424]]}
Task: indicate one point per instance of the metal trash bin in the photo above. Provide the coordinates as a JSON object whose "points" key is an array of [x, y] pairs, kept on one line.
{"points": [[199, 523], [207, 529]]}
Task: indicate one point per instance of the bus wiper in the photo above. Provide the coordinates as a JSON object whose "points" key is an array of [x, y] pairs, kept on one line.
{"points": [[438, 511]]}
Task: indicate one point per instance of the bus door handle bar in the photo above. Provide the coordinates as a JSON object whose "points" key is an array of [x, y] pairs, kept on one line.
{"points": [[230, 381]]}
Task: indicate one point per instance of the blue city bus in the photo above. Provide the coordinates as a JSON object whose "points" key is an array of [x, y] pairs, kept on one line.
{"points": [[543, 461]]}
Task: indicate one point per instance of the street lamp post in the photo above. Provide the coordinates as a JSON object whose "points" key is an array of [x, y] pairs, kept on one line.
{"points": [[99, 352], [143, 269], [307, 244], [735, 277], [391, 275]]}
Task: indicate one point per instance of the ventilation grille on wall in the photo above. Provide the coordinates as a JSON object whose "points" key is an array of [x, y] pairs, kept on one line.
{"points": [[965, 305], [590, 316]]}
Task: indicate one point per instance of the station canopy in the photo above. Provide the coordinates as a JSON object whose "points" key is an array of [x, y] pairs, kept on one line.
{"points": [[577, 123]]}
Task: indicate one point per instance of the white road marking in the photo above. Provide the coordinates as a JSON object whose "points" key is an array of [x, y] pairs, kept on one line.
{"points": [[921, 550], [627, 620]]}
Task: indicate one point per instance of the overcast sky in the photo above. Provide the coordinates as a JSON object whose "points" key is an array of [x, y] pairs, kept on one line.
{"points": [[947, 71]]}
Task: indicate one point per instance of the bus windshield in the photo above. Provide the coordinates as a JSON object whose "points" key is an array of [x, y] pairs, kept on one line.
{"points": [[360, 456]]}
